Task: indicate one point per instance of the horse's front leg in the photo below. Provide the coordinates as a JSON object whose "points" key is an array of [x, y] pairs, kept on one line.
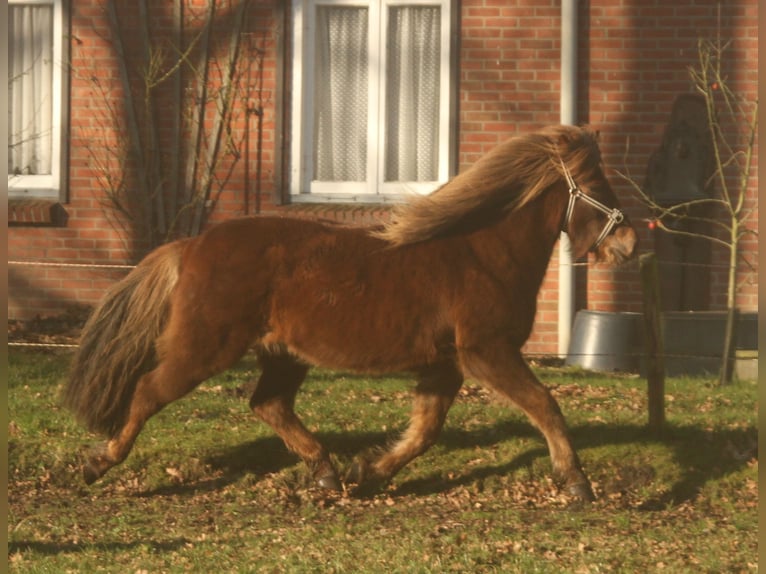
{"points": [[434, 394], [502, 369]]}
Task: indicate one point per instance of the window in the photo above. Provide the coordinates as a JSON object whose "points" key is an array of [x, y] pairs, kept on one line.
{"points": [[372, 99], [36, 63]]}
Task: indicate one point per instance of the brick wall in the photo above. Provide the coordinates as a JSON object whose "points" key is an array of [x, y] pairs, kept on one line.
{"points": [[509, 72], [93, 232], [638, 63], [633, 60]]}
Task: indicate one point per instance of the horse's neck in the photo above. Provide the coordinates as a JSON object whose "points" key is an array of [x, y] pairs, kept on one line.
{"points": [[522, 241]]}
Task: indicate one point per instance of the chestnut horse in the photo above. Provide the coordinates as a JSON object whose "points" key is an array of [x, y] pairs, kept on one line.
{"points": [[446, 291]]}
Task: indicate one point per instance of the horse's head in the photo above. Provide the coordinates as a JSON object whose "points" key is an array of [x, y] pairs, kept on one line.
{"points": [[593, 219]]}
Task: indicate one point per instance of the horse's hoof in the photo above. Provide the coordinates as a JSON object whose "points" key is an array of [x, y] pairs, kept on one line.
{"points": [[90, 473], [330, 482], [357, 472], [582, 492], [367, 482]]}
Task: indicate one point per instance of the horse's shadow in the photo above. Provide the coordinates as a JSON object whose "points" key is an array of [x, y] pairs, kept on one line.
{"points": [[52, 549], [701, 454]]}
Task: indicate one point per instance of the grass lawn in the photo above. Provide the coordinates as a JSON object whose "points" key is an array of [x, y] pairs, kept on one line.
{"points": [[208, 488]]}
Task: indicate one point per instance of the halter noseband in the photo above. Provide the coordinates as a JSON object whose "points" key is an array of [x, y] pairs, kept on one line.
{"points": [[614, 215]]}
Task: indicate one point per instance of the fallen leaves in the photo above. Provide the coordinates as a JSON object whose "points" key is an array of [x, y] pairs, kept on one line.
{"points": [[482, 500], [175, 474]]}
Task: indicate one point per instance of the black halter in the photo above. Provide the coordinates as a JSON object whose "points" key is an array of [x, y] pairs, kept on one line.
{"points": [[615, 216]]}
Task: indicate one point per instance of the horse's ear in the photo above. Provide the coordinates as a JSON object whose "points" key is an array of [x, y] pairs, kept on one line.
{"points": [[591, 131], [566, 137]]}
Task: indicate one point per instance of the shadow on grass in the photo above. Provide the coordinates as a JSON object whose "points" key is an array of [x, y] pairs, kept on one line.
{"points": [[51, 549], [255, 458], [702, 455]]}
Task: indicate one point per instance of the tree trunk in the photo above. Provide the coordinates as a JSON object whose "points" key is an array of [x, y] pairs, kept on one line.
{"points": [[730, 332]]}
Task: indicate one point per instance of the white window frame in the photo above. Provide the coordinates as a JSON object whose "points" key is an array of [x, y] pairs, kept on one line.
{"points": [[49, 186], [375, 189]]}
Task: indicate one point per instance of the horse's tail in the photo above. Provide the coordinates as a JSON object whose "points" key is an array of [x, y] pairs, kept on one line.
{"points": [[117, 345]]}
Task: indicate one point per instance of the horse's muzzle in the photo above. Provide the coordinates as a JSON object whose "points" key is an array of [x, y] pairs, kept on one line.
{"points": [[620, 246]]}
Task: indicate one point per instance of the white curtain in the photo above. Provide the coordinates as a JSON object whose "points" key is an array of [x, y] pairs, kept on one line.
{"points": [[412, 94], [340, 94], [30, 103]]}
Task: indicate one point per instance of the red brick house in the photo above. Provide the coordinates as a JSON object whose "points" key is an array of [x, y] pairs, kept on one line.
{"points": [[336, 109]]}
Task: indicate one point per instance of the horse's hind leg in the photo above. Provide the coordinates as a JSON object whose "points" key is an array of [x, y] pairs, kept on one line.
{"points": [[436, 390], [273, 402], [157, 388], [504, 370]]}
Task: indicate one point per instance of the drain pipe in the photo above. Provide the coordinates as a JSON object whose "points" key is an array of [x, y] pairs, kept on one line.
{"points": [[568, 115]]}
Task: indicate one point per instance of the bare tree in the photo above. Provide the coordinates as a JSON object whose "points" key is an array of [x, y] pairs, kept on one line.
{"points": [[732, 121], [183, 100]]}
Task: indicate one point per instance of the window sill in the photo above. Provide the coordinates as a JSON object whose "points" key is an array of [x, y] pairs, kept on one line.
{"points": [[36, 213]]}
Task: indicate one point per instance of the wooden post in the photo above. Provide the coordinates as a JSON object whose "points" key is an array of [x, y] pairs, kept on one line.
{"points": [[654, 348]]}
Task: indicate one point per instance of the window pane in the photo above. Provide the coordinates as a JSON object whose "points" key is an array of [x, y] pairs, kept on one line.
{"points": [[412, 94], [340, 94], [30, 98]]}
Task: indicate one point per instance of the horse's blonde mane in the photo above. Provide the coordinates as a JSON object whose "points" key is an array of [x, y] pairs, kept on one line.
{"points": [[507, 177]]}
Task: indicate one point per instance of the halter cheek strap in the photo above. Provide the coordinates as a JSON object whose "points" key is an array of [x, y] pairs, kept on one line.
{"points": [[614, 215]]}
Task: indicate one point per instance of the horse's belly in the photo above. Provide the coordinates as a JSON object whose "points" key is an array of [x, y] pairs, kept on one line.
{"points": [[360, 339]]}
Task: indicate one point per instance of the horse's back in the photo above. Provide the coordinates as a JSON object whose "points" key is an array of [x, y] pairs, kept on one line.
{"points": [[331, 294]]}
